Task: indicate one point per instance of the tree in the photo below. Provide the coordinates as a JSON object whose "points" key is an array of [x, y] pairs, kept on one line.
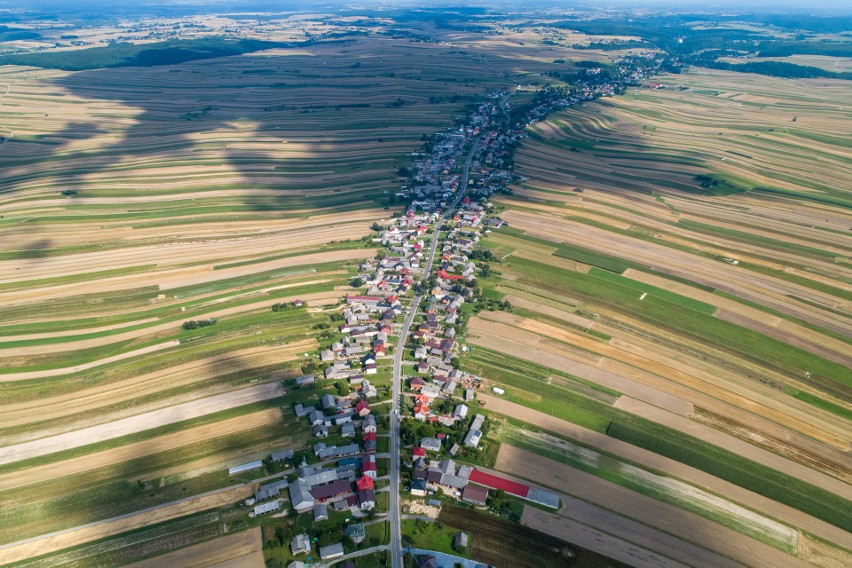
{"points": [[357, 282]]}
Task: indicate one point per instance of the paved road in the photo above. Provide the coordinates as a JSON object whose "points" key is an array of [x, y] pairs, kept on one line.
{"points": [[396, 383]]}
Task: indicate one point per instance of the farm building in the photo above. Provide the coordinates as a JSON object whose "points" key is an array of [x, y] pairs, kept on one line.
{"points": [[242, 468], [282, 456], [460, 541], [331, 551], [305, 381], [475, 432], [475, 494], [326, 492], [320, 512], [266, 508]]}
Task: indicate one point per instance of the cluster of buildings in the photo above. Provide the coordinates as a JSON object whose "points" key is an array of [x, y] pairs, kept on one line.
{"points": [[447, 477], [317, 488]]}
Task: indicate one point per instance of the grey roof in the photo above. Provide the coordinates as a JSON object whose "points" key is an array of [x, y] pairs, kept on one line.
{"points": [[305, 380], [301, 544], [300, 496], [283, 455], [245, 467], [317, 476], [331, 551], [267, 507]]}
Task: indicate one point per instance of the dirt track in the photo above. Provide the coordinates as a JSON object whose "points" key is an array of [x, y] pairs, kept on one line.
{"points": [[656, 462], [645, 510], [139, 449], [139, 423], [44, 544], [240, 550]]}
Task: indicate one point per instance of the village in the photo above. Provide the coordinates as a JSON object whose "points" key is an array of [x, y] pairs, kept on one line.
{"points": [[441, 433]]}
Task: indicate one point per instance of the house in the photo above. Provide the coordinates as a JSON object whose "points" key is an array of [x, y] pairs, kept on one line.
{"points": [[370, 444], [419, 452], [316, 417], [461, 541], [356, 532], [282, 456], [422, 412], [369, 423], [367, 499], [305, 381], [365, 482], [368, 467], [420, 352], [475, 494], [327, 356], [473, 436], [301, 544], [460, 411], [320, 512], [331, 551], [416, 383], [370, 369], [430, 444], [347, 430], [418, 488], [362, 409], [328, 401], [320, 431], [427, 561]]}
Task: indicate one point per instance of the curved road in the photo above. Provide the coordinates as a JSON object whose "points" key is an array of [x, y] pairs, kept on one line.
{"points": [[393, 512]]}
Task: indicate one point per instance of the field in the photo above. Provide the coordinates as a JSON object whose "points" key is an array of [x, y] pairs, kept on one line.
{"points": [[670, 246], [498, 542], [675, 350]]}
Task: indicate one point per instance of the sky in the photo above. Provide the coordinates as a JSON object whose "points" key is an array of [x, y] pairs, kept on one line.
{"points": [[60, 6]]}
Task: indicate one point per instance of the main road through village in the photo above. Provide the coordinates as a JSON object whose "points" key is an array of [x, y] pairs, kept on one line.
{"points": [[394, 512]]}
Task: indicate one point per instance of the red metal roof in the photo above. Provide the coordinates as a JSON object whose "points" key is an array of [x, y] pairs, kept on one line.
{"points": [[495, 482]]}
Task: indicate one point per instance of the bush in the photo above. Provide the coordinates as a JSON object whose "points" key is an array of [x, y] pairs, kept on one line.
{"points": [[195, 324]]}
